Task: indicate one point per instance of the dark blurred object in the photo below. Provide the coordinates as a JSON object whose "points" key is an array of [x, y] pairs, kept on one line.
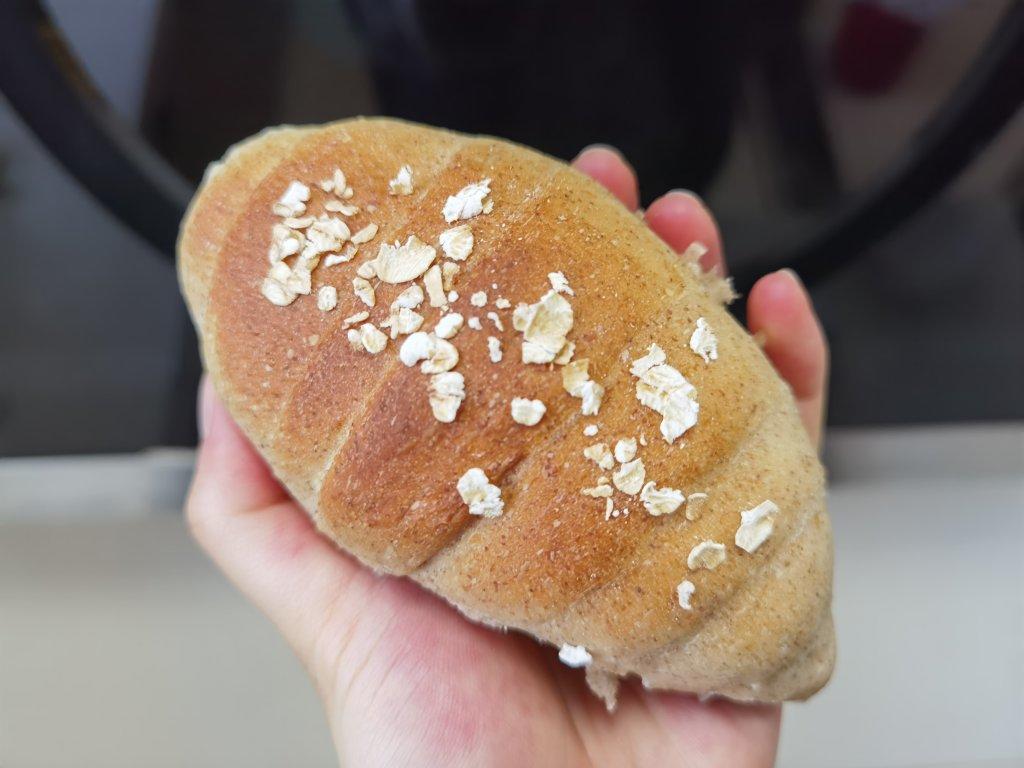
{"points": [[44, 82], [211, 60], [727, 98], [656, 79], [494, 67], [873, 46], [984, 101]]}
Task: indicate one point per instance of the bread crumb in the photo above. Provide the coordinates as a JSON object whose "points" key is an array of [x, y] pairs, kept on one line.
{"points": [[599, 491], [478, 299], [590, 430], [694, 252], [604, 685], [493, 317], [474, 323], [502, 303], [574, 656]]}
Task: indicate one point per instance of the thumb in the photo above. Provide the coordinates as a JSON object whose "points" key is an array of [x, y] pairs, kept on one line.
{"points": [[262, 540]]}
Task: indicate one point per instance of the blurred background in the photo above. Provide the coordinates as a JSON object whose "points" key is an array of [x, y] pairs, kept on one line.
{"points": [[877, 147]]}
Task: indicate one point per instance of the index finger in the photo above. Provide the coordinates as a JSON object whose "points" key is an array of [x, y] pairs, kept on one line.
{"points": [[680, 218], [609, 168]]}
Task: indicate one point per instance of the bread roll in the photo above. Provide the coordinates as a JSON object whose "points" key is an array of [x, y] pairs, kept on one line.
{"points": [[627, 578]]}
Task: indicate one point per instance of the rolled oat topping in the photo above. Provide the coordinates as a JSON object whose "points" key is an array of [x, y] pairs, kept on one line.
{"points": [[457, 242], [708, 555], [527, 412], [402, 183], [666, 391], [482, 497], [468, 202], [756, 525]]}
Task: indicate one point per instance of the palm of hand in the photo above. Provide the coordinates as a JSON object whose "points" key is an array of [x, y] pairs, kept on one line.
{"points": [[404, 678]]}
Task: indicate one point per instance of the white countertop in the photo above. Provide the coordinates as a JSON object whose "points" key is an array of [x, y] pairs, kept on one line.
{"points": [[121, 646]]}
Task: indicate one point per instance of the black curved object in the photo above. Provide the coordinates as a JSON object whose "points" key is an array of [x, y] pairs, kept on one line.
{"points": [[984, 101], [45, 84]]}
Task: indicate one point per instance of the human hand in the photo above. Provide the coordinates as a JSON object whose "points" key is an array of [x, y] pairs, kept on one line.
{"points": [[405, 679]]}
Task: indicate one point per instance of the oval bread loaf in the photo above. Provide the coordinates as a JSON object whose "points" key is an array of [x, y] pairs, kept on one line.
{"points": [[595, 453]]}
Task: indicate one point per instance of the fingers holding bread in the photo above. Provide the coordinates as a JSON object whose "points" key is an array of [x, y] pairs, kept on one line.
{"points": [[607, 166]]}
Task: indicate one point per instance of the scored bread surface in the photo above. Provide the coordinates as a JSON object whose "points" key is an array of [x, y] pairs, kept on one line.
{"points": [[353, 439]]}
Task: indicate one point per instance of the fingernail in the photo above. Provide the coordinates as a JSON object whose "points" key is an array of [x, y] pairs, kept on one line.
{"points": [[605, 147], [792, 276], [599, 145], [690, 194]]}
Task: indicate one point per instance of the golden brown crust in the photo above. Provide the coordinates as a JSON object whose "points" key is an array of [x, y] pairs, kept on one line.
{"points": [[353, 439]]}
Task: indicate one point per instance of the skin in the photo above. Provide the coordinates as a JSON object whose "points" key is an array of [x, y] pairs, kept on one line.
{"points": [[404, 679]]}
